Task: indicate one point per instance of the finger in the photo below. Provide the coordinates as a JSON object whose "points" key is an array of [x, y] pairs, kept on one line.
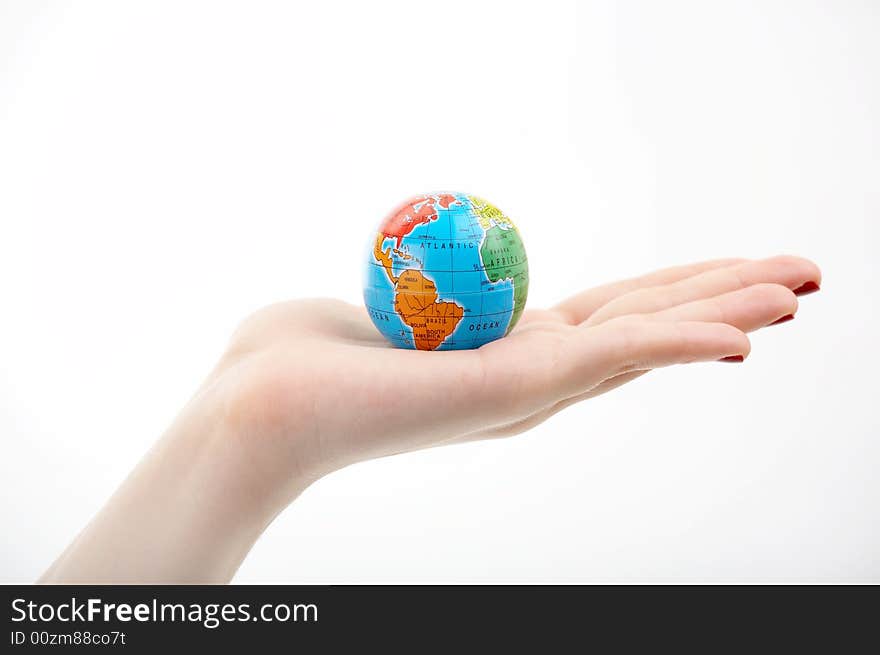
{"points": [[579, 307], [542, 415], [747, 309], [790, 272], [588, 361], [636, 344]]}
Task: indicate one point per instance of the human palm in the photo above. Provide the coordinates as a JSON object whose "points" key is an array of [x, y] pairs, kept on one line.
{"points": [[323, 387]]}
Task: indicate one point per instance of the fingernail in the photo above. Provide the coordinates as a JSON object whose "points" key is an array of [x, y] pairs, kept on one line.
{"points": [[733, 359], [806, 288], [784, 319]]}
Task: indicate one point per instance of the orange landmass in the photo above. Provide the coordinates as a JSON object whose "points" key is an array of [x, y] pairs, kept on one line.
{"points": [[384, 257], [415, 212], [416, 303]]}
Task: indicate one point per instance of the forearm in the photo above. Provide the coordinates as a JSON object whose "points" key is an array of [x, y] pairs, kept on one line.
{"points": [[186, 514]]}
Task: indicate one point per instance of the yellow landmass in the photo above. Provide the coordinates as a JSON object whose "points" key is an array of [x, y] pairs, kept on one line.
{"points": [[488, 214]]}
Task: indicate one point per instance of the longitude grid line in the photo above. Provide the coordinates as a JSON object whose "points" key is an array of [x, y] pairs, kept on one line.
{"points": [[473, 224], [451, 221]]}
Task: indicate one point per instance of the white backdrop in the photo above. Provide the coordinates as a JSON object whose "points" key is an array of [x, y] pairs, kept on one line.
{"points": [[168, 167]]}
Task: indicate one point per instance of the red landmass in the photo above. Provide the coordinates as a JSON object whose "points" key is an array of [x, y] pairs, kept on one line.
{"points": [[415, 212]]}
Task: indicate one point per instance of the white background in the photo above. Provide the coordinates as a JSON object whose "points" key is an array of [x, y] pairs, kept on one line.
{"points": [[168, 167]]}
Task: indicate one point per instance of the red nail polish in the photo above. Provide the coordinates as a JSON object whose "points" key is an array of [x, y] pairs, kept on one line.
{"points": [[806, 288], [784, 319], [734, 359]]}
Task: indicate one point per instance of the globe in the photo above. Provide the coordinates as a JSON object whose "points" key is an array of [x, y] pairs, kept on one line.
{"points": [[446, 271]]}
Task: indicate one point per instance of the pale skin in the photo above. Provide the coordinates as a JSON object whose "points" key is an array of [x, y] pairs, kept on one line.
{"points": [[308, 387]]}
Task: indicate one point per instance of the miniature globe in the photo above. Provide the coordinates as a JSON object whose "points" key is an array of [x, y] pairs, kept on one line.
{"points": [[446, 271]]}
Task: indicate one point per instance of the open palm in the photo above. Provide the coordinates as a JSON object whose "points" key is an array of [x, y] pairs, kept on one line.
{"points": [[320, 384]]}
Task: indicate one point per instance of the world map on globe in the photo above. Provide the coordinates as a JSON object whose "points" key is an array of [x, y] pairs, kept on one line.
{"points": [[446, 271]]}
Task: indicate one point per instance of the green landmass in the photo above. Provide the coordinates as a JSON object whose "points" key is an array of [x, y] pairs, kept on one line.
{"points": [[504, 257]]}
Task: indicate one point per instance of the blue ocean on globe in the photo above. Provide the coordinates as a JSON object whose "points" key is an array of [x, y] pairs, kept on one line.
{"points": [[446, 271]]}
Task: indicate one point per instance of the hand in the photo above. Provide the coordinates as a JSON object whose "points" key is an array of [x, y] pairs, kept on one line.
{"points": [[308, 387], [318, 374]]}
